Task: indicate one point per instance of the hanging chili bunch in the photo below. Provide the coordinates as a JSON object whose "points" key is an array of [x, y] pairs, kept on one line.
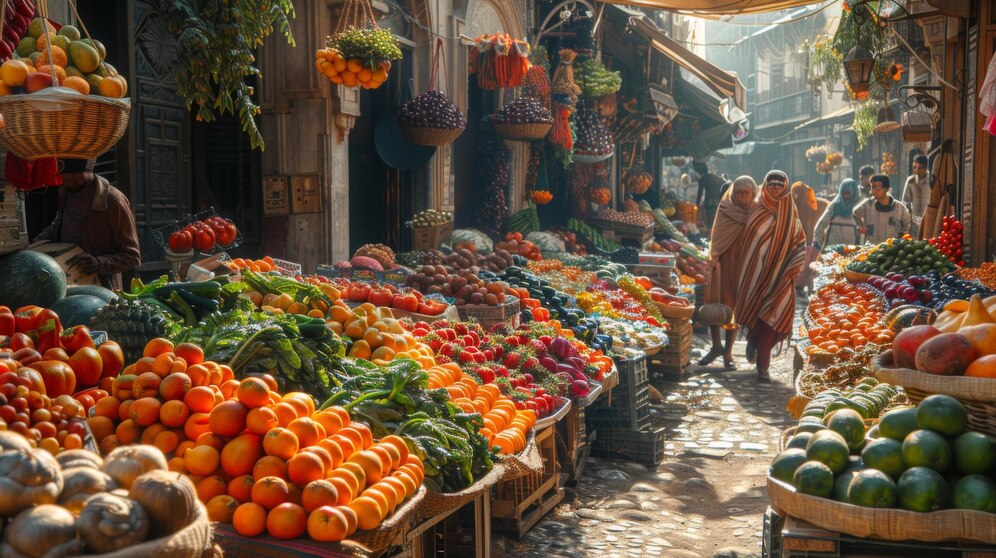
{"points": [[565, 97], [499, 60], [493, 172]]}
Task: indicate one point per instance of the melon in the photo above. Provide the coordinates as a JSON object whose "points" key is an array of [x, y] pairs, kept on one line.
{"points": [[480, 240], [92, 290], [31, 278], [902, 317], [78, 309]]}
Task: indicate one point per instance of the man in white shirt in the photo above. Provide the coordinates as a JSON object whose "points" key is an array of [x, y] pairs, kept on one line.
{"points": [[916, 193], [881, 217], [865, 175]]}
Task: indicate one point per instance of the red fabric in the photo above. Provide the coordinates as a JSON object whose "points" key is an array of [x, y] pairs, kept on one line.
{"points": [[31, 175]]}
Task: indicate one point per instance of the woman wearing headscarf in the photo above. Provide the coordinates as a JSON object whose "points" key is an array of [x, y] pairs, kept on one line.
{"points": [[837, 225], [773, 257], [725, 251]]}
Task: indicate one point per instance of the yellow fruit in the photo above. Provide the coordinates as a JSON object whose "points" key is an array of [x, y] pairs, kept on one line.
{"points": [[77, 83], [114, 87], [94, 81], [84, 56], [340, 64], [13, 72], [42, 41], [54, 54]]}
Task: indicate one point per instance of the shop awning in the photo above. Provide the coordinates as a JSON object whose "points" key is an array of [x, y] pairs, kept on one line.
{"points": [[723, 83], [708, 8]]}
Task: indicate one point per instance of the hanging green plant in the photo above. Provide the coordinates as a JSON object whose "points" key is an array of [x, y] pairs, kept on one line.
{"points": [[595, 80], [216, 46], [865, 117], [825, 62], [371, 47]]}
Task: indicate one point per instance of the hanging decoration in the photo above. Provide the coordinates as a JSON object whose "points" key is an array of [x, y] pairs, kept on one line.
{"points": [[634, 178], [594, 141], [494, 170], [359, 53], [499, 61], [432, 119], [536, 177], [595, 80], [565, 97], [524, 119]]}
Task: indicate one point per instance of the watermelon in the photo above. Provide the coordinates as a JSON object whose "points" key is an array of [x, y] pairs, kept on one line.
{"points": [[480, 240], [906, 315], [30, 278], [92, 290], [77, 309], [548, 243]]}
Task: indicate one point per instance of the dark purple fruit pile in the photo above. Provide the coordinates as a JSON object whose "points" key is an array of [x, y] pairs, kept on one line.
{"points": [[523, 111], [432, 110]]}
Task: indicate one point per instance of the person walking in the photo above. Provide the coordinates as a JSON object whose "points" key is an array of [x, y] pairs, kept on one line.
{"points": [[773, 257], [836, 225], [707, 196], [916, 191], [725, 253], [97, 217], [809, 208], [865, 175], [881, 217]]}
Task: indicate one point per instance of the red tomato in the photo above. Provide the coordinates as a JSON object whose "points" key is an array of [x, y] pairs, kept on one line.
{"points": [[55, 353], [27, 356], [407, 302], [112, 358], [205, 240], [34, 378], [58, 377], [87, 366], [226, 233], [381, 297], [181, 241], [358, 292], [20, 341]]}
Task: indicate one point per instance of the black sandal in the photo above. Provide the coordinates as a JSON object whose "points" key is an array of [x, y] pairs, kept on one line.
{"points": [[729, 363], [710, 356]]}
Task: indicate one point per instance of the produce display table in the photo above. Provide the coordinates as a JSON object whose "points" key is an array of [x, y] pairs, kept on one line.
{"points": [[462, 531], [521, 502]]}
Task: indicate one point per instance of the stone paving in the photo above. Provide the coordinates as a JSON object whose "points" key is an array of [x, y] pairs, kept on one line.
{"points": [[705, 500]]}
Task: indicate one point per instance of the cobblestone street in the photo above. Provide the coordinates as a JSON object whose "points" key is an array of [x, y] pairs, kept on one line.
{"points": [[706, 499]]}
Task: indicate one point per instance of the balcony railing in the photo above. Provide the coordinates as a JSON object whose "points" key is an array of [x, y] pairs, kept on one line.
{"points": [[783, 110]]}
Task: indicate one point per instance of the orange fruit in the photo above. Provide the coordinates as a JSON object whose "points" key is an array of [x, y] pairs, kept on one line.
{"points": [[145, 411], [366, 436], [308, 431], [406, 478], [286, 521], [128, 432], [399, 444], [286, 413], [982, 367], [201, 460], [334, 451], [342, 412], [327, 524], [368, 512], [261, 420], [270, 492], [240, 454], [386, 461], [317, 494], [370, 462], [157, 347], [253, 392], [166, 441], [240, 488], [383, 499], [228, 418], [302, 402], [114, 87], [209, 487], [323, 455], [200, 399], [269, 466], [189, 352], [352, 521], [53, 54], [351, 482], [249, 519], [329, 420], [343, 488], [222, 508], [280, 442], [14, 72], [400, 488], [174, 414], [347, 446], [304, 468], [196, 425]]}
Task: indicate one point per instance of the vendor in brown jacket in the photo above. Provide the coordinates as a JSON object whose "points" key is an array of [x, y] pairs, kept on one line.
{"points": [[97, 217]]}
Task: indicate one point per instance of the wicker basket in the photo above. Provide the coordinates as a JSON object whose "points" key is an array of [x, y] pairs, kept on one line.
{"points": [[978, 395], [436, 503], [526, 461], [60, 122], [672, 312], [856, 277], [431, 137], [531, 131], [879, 523]]}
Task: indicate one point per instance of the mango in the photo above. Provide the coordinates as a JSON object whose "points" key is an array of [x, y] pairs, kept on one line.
{"points": [[84, 56], [26, 47], [70, 32]]}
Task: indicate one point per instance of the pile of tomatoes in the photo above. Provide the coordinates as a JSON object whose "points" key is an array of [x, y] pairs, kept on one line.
{"points": [[204, 235], [949, 242]]}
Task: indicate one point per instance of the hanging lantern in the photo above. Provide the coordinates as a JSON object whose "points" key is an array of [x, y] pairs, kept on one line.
{"points": [[886, 121], [858, 65]]}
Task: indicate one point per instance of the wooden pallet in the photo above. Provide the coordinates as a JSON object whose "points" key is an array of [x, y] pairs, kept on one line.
{"points": [[464, 532], [788, 537], [521, 502]]}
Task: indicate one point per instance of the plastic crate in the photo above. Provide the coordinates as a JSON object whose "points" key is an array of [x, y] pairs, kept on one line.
{"points": [[642, 446]]}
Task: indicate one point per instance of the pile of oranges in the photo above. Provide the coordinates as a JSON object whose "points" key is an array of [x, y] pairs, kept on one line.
{"points": [[377, 336], [350, 73], [262, 461], [505, 427], [846, 316]]}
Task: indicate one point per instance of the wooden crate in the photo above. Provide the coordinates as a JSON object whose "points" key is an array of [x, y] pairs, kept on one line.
{"points": [[431, 237], [520, 503], [790, 537], [464, 532], [573, 448], [673, 359]]}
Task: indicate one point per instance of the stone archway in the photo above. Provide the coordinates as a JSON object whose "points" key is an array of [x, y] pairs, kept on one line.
{"points": [[491, 16]]}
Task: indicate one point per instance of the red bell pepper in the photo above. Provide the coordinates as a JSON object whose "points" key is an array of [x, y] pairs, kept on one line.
{"points": [[48, 330], [8, 325], [26, 318], [75, 338]]}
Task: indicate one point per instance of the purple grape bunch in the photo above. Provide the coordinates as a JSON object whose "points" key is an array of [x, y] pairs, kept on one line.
{"points": [[523, 111], [432, 110]]}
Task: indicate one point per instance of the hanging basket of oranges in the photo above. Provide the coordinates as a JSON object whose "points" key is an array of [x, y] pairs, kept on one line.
{"points": [[540, 197], [359, 53]]}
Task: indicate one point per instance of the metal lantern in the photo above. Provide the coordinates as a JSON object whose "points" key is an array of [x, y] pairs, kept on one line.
{"points": [[858, 65], [917, 126], [886, 120]]}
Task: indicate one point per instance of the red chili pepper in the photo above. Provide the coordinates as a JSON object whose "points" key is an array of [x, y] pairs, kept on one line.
{"points": [[8, 325], [47, 332], [75, 338]]}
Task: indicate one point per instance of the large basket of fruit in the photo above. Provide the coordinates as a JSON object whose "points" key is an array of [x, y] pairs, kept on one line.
{"points": [[431, 119], [523, 119]]}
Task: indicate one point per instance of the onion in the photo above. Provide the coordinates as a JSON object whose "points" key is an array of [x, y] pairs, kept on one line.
{"points": [[110, 523], [27, 479], [169, 498], [80, 484], [37, 530], [124, 464]]}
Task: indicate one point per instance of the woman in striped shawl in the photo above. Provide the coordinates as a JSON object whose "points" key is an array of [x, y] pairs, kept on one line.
{"points": [[774, 255]]}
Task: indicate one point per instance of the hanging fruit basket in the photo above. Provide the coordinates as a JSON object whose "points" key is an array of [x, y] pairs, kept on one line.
{"points": [[524, 119], [499, 61], [358, 54], [70, 119], [594, 140], [431, 119]]}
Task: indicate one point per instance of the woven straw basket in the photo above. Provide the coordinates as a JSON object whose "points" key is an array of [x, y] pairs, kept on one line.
{"points": [[978, 395], [430, 137], [60, 122], [523, 132], [193, 541]]}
